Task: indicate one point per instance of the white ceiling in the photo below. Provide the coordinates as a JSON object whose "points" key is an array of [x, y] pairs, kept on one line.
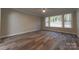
{"points": [[49, 11]]}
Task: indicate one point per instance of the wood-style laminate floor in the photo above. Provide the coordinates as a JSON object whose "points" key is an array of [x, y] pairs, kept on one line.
{"points": [[41, 40]]}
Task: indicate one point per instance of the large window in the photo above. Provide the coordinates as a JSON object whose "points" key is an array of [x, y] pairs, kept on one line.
{"points": [[46, 21], [67, 21], [59, 21], [56, 21]]}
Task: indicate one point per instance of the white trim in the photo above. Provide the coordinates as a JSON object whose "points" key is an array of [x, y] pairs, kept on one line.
{"points": [[62, 32], [17, 33], [33, 31], [67, 32]]}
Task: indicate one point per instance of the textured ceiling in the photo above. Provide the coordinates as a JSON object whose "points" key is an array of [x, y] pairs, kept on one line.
{"points": [[49, 11]]}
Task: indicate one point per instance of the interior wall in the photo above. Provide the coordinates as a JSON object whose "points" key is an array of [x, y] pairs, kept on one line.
{"points": [[78, 22], [14, 22], [73, 30], [0, 21]]}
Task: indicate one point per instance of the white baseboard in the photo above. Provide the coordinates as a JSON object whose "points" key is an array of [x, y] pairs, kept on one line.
{"points": [[68, 32], [63, 32], [17, 34], [32, 31]]}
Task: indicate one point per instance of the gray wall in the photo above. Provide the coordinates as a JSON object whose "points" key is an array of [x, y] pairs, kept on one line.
{"points": [[0, 21], [78, 22], [14, 22]]}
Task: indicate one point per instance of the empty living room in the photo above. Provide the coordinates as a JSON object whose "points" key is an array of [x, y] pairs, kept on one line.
{"points": [[39, 29]]}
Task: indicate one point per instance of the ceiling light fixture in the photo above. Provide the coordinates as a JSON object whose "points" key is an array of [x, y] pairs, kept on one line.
{"points": [[43, 10]]}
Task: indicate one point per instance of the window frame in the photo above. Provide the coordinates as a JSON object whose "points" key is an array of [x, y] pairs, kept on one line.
{"points": [[71, 21], [48, 22], [62, 21]]}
